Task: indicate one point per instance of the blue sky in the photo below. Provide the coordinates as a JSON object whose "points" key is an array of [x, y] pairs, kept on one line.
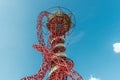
{"points": [[90, 45]]}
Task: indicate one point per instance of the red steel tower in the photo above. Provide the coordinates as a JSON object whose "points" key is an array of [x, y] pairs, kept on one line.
{"points": [[58, 23]]}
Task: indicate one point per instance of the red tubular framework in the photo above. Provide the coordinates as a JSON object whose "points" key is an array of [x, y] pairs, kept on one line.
{"points": [[54, 58]]}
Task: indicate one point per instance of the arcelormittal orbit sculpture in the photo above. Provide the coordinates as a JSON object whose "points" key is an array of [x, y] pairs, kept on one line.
{"points": [[59, 23]]}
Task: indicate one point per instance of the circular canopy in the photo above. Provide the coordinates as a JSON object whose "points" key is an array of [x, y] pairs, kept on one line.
{"points": [[58, 23]]}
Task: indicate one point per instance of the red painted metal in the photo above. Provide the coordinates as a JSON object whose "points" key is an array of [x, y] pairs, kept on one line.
{"points": [[54, 59]]}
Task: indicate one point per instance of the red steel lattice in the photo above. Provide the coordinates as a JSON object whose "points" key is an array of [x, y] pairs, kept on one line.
{"points": [[54, 59]]}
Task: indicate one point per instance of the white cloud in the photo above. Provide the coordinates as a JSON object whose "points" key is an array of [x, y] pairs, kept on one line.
{"points": [[93, 78], [116, 47]]}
